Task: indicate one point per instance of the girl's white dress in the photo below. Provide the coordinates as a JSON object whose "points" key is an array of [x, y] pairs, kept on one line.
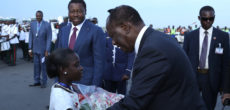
{"points": [[62, 98]]}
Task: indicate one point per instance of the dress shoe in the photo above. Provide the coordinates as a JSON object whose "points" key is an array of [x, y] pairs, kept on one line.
{"points": [[35, 84]]}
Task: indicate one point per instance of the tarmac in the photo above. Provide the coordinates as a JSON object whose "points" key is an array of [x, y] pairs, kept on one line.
{"points": [[15, 94]]}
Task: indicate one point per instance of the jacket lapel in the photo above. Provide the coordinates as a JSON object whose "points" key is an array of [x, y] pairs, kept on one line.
{"points": [[147, 32], [66, 35], [35, 28], [197, 44], [213, 40], [82, 35]]}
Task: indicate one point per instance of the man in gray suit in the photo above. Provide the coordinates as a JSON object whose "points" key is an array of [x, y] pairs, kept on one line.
{"points": [[39, 47]]}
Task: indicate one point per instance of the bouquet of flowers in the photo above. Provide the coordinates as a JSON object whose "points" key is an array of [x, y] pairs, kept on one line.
{"points": [[95, 98]]}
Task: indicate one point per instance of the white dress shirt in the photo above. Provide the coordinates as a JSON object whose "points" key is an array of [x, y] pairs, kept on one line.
{"points": [[139, 37], [13, 32], [22, 35], [137, 44], [201, 39], [78, 30], [27, 34]]}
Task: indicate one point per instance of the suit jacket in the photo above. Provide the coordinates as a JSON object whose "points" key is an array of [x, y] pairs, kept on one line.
{"points": [[90, 46], [42, 42], [162, 79], [60, 26], [218, 63], [63, 24], [122, 65]]}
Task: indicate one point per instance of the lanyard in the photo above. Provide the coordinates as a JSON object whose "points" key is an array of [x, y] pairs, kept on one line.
{"points": [[64, 85]]}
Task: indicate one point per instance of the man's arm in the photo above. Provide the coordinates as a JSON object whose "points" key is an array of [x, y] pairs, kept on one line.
{"points": [[99, 47], [186, 43], [31, 39], [225, 69], [48, 39], [56, 45], [150, 69]]}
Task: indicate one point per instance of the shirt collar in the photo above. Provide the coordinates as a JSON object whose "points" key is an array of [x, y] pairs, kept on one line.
{"points": [[78, 26], [202, 30], [139, 37], [40, 22]]}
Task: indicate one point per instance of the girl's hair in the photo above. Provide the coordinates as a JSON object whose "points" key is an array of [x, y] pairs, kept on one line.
{"points": [[57, 59]]}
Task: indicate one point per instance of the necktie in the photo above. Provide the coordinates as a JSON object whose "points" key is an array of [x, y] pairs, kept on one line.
{"points": [[73, 38], [204, 51]]}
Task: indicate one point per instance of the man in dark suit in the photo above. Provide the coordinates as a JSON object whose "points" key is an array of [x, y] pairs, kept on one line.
{"points": [[39, 46], [86, 39], [162, 77], [66, 22], [118, 68], [208, 51]]}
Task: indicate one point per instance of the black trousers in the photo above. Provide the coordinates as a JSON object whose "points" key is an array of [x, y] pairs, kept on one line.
{"points": [[209, 96], [115, 86], [24, 48]]}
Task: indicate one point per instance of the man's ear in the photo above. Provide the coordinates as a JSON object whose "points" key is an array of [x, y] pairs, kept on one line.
{"points": [[199, 18], [126, 27]]}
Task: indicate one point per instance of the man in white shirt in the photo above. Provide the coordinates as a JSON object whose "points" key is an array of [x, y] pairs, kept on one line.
{"points": [[13, 38], [5, 45]]}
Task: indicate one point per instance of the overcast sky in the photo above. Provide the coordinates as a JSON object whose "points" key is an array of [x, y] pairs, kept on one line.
{"points": [[160, 13]]}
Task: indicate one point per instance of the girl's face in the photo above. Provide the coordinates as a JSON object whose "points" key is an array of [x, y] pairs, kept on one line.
{"points": [[74, 70]]}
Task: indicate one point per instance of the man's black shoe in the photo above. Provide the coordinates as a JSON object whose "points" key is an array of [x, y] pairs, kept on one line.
{"points": [[35, 84]]}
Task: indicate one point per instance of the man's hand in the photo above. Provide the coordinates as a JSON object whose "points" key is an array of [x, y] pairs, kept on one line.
{"points": [[125, 77], [46, 54], [7, 37], [225, 96]]}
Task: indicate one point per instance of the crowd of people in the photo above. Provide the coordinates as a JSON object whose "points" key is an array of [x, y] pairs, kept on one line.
{"points": [[182, 30], [147, 66]]}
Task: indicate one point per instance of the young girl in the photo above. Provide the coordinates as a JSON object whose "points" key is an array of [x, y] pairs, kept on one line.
{"points": [[64, 64]]}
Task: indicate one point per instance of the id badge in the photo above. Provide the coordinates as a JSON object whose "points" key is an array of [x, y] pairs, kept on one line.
{"points": [[36, 34], [219, 50]]}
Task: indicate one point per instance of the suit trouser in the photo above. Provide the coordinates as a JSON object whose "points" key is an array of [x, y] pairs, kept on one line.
{"points": [[115, 86], [39, 67], [209, 96]]}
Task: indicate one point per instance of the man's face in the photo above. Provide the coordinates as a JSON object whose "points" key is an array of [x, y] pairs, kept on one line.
{"points": [[120, 37], [77, 13], [39, 16], [206, 19]]}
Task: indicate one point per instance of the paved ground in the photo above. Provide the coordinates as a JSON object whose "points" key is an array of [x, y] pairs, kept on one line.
{"points": [[15, 94]]}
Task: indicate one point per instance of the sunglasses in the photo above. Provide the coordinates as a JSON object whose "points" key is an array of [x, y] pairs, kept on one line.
{"points": [[206, 19]]}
